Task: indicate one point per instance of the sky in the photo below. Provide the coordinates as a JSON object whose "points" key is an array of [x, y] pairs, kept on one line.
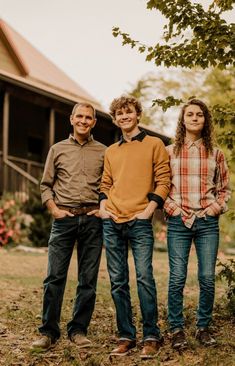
{"points": [[77, 36]]}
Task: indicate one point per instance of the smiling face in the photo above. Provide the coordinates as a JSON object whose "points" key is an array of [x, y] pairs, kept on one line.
{"points": [[194, 121], [82, 121], [127, 119]]}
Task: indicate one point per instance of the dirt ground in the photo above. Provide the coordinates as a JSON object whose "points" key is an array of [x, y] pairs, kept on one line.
{"points": [[21, 276]]}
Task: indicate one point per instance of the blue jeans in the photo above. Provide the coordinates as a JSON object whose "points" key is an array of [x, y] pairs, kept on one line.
{"points": [[140, 236], [87, 230], [205, 235]]}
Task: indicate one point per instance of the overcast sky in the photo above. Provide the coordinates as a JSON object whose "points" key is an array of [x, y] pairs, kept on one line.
{"points": [[77, 36]]}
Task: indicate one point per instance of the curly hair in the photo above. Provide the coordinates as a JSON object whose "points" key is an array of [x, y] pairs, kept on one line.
{"points": [[207, 131], [123, 102]]}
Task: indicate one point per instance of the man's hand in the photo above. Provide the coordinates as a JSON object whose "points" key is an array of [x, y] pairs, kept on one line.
{"points": [[144, 215], [57, 213], [103, 213], [94, 213], [147, 213]]}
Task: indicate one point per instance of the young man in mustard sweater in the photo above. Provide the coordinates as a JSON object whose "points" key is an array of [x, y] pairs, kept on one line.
{"points": [[135, 182]]}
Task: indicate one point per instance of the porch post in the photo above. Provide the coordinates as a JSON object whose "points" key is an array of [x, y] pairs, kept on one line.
{"points": [[5, 142], [52, 127]]}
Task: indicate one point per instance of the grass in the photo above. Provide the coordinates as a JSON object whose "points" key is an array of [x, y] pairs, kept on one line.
{"points": [[21, 277]]}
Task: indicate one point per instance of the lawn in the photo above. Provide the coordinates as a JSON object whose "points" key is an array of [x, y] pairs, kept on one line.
{"points": [[21, 277]]}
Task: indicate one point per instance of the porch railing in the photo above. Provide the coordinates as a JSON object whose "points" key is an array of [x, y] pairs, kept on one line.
{"points": [[17, 175]]}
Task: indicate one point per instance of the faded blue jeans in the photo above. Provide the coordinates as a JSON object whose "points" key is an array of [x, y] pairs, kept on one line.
{"points": [[87, 230], [205, 235], [139, 234]]}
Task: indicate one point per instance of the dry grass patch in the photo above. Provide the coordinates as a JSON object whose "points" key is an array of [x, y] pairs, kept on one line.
{"points": [[21, 277]]}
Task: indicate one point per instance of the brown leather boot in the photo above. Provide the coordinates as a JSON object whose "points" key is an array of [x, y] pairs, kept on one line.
{"points": [[151, 348], [81, 340], [123, 348], [44, 343]]}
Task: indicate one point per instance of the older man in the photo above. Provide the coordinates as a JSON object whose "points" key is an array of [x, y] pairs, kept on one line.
{"points": [[69, 189]]}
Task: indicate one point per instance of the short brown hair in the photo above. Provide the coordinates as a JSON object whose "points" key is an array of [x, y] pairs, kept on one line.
{"points": [[83, 104], [123, 102]]}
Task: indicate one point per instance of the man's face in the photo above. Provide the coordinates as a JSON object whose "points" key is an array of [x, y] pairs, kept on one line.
{"points": [[126, 118], [194, 119], [82, 121]]}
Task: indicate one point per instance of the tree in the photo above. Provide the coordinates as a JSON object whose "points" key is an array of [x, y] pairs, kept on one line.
{"points": [[193, 37], [182, 83]]}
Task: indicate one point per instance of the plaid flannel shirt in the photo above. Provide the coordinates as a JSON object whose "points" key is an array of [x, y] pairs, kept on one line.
{"points": [[198, 181]]}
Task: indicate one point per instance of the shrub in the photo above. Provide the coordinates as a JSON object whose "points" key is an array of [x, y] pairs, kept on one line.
{"points": [[228, 274], [39, 229], [13, 221]]}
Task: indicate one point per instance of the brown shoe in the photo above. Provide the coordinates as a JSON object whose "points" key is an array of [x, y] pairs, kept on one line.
{"points": [[43, 344], [205, 338], [151, 348], [81, 340], [179, 341], [124, 346]]}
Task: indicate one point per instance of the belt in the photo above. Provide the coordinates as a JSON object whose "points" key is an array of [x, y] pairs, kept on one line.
{"points": [[81, 209]]}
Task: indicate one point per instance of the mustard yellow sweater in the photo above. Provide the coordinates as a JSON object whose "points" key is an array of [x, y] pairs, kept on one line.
{"points": [[134, 173]]}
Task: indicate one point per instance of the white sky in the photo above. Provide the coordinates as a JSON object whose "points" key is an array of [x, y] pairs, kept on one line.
{"points": [[77, 36]]}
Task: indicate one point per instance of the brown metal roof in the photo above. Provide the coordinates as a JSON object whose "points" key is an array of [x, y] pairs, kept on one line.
{"points": [[37, 70]]}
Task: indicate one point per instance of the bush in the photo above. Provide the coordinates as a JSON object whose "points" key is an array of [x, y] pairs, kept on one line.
{"points": [[14, 224], [228, 274], [39, 229]]}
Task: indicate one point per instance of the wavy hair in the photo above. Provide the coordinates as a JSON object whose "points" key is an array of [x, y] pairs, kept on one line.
{"points": [[207, 133], [123, 102]]}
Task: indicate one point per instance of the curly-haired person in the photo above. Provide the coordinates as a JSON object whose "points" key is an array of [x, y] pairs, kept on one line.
{"points": [[198, 195], [135, 181]]}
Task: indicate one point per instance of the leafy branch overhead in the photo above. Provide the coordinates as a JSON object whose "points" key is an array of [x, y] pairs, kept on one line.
{"points": [[192, 37]]}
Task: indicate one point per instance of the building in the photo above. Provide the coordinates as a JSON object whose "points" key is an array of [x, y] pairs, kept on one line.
{"points": [[36, 99]]}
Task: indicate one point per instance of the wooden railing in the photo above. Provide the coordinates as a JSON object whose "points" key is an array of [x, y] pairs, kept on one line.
{"points": [[18, 175]]}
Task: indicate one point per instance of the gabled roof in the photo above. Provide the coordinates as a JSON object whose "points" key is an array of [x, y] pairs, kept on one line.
{"points": [[36, 69]]}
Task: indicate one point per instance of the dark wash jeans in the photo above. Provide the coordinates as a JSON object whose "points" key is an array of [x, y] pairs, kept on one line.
{"points": [[205, 234], [87, 230], [140, 236]]}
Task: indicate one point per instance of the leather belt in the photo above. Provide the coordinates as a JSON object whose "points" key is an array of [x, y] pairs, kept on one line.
{"points": [[79, 210]]}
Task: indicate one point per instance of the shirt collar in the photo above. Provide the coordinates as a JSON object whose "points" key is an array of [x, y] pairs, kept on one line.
{"points": [[139, 137], [198, 143], [71, 137]]}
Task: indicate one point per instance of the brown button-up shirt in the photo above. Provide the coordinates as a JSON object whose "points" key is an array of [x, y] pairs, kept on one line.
{"points": [[73, 172]]}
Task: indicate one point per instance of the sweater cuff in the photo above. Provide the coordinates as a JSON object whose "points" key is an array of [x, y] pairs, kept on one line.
{"points": [[102, 196], [156, 198]]}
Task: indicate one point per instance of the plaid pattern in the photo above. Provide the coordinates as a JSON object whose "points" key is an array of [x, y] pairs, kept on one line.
{"points": [[197, 182]]}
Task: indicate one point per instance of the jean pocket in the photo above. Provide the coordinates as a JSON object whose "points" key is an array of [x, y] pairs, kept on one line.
{"points": [[62, 218], [143, 220], [174, 219], [210, 217]]}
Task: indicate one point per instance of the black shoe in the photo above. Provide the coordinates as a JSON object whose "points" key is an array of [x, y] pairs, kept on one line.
{"points": [[204, 337], [179, 340]]}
